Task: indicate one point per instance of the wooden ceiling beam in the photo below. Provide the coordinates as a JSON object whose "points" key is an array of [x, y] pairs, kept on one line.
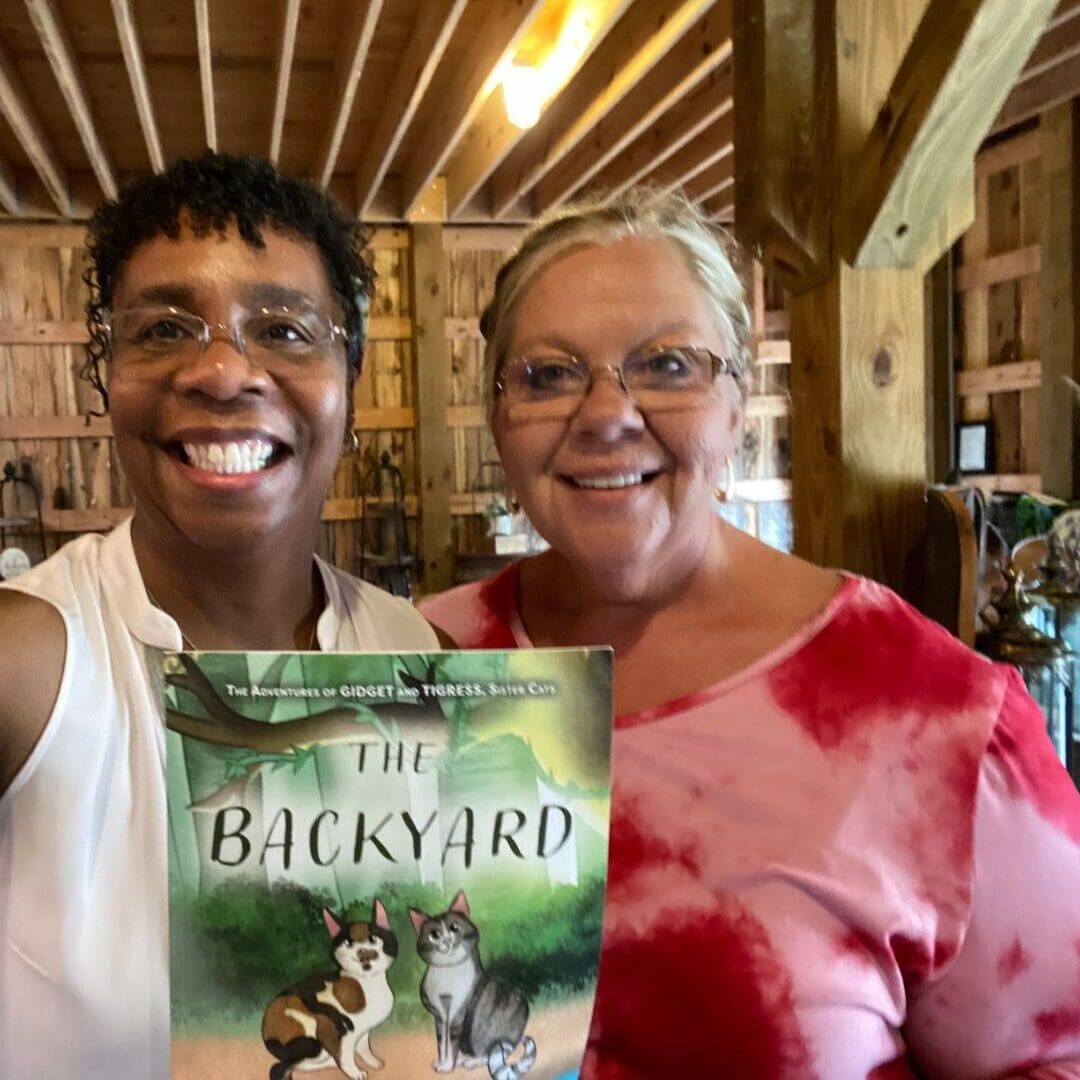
{"points": [[679, 170], [431, 33], [347, 72], [942, 102], [140, 87], [1029, 97], [206, 70], [706, 110], [462, 99], [58, 51], [1063, 12], [1059, 43], [721, 205], [290, 19], [9, 189], [15, 104], [713, 180], [785, 177], [492, 136], [643, 39], [653, 96]]}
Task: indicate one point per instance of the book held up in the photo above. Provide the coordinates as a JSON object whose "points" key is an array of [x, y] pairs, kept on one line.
{"points": [[389, 863]]}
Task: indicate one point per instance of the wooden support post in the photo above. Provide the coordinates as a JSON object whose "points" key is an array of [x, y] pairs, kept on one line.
{"points": [[431, 356], [858, 420], [940, 401], [857, 336], [784, 184], [1059, 345], [851, 112]]}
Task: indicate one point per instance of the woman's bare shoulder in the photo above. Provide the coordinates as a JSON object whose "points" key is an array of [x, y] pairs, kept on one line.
{"points": [[33, 643]]}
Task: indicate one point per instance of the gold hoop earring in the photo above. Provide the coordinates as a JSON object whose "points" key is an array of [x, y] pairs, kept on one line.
{"points": [[727, 492]]}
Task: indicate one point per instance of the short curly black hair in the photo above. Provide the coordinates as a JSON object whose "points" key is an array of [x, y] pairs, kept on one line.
{"points": [[207, 194]]}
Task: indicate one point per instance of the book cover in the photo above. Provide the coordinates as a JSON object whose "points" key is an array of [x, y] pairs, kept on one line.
{"points": [[386, 865]]}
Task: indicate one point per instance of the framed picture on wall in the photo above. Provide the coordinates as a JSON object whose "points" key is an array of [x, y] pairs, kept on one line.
{"points": [[975, 447]]}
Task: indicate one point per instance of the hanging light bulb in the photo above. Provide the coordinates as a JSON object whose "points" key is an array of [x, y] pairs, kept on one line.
{"points": [[523, 95]]}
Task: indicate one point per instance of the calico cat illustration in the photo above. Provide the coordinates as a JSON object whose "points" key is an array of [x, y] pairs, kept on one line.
{"points": [[479, 1021], [327, 1020]]}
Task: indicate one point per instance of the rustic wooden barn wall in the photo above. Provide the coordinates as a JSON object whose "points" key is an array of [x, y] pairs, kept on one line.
{"points": [[997, 283], [477, 475], [383, 401], [41, 300]]}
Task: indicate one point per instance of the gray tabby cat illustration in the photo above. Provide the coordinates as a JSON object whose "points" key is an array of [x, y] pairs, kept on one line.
{"points": [[479, 1021]]}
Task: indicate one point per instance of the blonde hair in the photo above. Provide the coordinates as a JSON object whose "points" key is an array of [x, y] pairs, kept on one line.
{"points": [[643, 213]]}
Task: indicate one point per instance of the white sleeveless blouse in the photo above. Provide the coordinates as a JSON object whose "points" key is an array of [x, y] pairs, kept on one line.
{"points": [[83, 854]]}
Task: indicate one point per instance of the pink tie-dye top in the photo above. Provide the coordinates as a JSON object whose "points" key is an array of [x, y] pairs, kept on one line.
{"points": [[857, 858]]}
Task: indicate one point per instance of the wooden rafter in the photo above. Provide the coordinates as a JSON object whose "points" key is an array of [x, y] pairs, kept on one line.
{"points": [[206, 70], [58, 51], [718, 177], [1061, 42], [1030, 97], [1063, 12], [283, 69], [721, 206], [694, 158], [140, 87], [430, 35], [349, 68], [492, 136], [16, 106], [643, 39], [461, 100], [637, 112], [706, 109], [946, 93], [9, 189], [612, 122]]}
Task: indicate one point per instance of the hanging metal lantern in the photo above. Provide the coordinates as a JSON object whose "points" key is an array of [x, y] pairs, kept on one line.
{"points": [[1046, 665]]}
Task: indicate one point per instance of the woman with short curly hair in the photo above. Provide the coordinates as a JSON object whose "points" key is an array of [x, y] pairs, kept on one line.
{"points": [[227, 310]]}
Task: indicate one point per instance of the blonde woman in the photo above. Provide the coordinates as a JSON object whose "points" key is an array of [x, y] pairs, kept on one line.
{"points": [[841, 844]]}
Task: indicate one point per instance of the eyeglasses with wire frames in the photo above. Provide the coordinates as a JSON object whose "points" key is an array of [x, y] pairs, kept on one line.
{"points": [[659, 377], [296, 333]]}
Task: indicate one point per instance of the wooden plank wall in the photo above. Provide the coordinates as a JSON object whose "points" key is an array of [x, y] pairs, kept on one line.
{"points": [[41, 301], [44, 403], [997, 284], [474, 257]]}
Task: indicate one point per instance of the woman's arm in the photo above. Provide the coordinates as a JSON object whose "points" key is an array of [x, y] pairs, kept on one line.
{"points": [[32, 646], [1009, 1005]]}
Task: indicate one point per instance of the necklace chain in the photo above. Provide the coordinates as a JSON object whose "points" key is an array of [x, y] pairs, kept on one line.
{"points": [[190, 646]]}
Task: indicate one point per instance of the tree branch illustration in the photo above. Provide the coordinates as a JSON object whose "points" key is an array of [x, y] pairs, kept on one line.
{"points": [[227, 727], [424, 721]]}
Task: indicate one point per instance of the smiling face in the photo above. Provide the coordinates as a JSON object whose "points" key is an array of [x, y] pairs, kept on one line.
{"points": [[221, 451], [613, 486]]}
